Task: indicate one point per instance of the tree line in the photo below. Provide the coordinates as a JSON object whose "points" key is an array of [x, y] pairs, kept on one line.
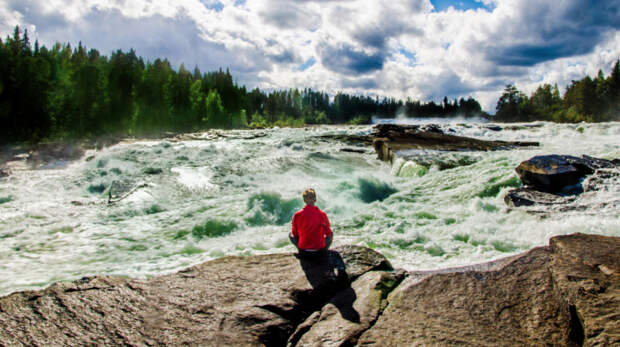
{"points": [[67, 92], [586, 100]]}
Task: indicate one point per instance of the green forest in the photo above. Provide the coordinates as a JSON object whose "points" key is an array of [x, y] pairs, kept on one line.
{"points": [[69, 92], [586, 100], [66, 92]]}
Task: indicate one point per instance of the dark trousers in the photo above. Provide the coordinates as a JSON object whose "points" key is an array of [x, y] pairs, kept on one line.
{"points": [[295, 241]]}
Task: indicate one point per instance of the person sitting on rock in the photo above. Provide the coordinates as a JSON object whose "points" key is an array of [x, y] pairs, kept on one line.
{"points": [[310, 227]]}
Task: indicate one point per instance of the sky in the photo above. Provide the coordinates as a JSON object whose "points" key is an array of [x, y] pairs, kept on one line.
{"points": [[423, 49]]}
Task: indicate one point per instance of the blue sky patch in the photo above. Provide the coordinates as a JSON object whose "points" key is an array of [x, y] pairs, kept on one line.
{"points": [[460, 5], [213, 5], [305, 66], [410, 56]]}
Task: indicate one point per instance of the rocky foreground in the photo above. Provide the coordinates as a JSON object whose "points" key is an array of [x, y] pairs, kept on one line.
{"points": [[565, 294]]}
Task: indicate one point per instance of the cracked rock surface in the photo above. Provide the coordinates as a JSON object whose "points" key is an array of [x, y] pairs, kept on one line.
{"points": [[565, 294], [231, 301]]}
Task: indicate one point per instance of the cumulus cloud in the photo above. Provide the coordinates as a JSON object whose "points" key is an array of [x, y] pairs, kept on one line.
{"points": [[425, 49], [346, 59], [542, 31]]}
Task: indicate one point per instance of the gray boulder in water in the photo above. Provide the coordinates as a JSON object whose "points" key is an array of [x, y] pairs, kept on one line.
{"points": [[555, 173]]}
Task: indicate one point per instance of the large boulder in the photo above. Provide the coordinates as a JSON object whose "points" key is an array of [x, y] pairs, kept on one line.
{"points": [[231, 301], [555, 173], [567, 294], [561, 183]]}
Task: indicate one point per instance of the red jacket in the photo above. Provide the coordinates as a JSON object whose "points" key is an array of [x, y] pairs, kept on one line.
{"points": [[311, 226]]}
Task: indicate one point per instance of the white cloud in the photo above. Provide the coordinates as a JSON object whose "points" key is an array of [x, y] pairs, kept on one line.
{"points": [[392, 48]]}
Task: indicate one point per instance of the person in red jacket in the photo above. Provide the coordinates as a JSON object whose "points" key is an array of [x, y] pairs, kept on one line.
{"points": [[310, 227]]}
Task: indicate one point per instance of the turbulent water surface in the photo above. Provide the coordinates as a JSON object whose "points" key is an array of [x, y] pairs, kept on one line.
{"points": [[177, 203]]}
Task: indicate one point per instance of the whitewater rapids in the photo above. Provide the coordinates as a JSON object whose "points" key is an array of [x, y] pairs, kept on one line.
{"points": [[182, 202]]}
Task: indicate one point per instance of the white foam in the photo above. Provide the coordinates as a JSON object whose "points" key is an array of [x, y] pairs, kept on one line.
{"points": [[455, 216], [194, 178]]}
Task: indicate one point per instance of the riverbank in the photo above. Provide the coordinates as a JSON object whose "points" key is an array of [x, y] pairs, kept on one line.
{"points": [[566, 293]]}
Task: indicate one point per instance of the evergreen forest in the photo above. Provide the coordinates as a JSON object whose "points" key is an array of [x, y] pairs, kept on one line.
{"points": [[586, 100], [66, 92]]}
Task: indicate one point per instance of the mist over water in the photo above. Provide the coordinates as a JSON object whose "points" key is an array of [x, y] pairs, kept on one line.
{"points": [[180, 203]]}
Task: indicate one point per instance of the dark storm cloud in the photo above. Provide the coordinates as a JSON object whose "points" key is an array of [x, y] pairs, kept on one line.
{"points": [[372, 37], [286, 57], [287, 15], [360, 83], [575, 28], [531, 54], [33, 14], [345, 59]]}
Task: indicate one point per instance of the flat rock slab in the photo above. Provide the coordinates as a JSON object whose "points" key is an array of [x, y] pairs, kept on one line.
{"points": [[233, 301], [567, 294], [390, 138]]}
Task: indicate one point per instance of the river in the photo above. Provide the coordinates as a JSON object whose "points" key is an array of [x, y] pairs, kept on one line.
{"points": [[182, 202]]}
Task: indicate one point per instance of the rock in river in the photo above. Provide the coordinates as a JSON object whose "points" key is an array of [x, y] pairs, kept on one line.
{"points": [[564, 183], [391, 138], [553, 173]]}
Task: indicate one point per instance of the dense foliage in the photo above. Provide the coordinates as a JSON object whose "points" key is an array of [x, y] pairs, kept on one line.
{"points": [[589, 99], [64, 92]]}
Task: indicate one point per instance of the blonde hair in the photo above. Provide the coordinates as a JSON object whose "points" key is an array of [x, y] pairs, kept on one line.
{"points": [[309, 195]]}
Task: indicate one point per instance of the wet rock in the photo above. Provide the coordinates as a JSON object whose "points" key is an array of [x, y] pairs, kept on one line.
{"points": [[567, 294], [554, 173], [586, 273], [351, 312], [387, 139], [524, 126], [530, 197], [560, 183], [390, 138], [493, 127], [601, 179], [353, 150], [249, 301]]}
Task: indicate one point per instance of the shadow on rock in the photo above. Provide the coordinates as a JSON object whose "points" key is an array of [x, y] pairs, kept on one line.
{"points": [[326, 273]]}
